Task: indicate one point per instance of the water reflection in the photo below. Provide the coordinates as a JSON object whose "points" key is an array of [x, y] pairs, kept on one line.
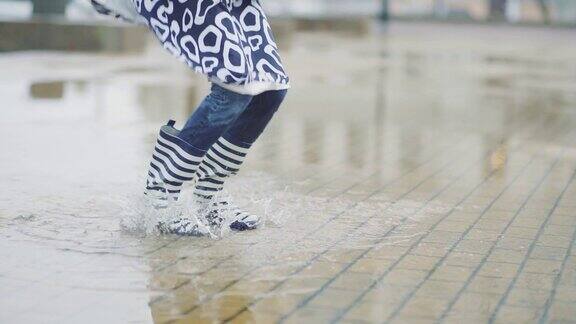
{"points": [[312, 141], [379, 117], [47, 90]]}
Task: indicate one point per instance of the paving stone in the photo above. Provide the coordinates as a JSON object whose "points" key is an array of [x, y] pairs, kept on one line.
{"points": [[489, 285], [548, 253], [535, 281], [527, 298], [451, 273], [543, 266], [370, 311], [517, 314], [371, 266], [499, 270], [424, 307], [562, 311], [506, 255], [417, 262], [440, 289], [476, 303], [463, 259], [404, 277]]}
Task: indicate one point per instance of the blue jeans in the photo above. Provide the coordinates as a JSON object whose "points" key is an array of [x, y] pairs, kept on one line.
{"points": [[241, 118]]}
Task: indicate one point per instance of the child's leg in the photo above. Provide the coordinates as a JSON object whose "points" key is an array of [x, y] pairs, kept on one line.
{"points": [[178, 153], [219, 110], [255, 118], [228, 153]]}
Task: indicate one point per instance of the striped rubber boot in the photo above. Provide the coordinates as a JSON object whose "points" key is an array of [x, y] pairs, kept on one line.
{"points": [[174, 162], [221, 161]]}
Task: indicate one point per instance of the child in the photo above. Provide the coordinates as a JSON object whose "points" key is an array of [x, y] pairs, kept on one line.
{"points": [[229, 41]]}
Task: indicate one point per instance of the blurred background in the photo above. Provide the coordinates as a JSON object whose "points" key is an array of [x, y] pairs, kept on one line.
{"points": [[404, 101], [554, 12], [38, 24], [406, 66]]}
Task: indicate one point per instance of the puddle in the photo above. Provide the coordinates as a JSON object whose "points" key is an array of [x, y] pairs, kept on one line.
{"points": [[47, 90]]}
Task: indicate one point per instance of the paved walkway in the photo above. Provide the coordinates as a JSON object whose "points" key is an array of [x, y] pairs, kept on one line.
{"points": [[426, 174]]}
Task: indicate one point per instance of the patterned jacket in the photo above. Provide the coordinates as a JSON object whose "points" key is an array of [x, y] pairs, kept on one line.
{"points": [[120, 9]]}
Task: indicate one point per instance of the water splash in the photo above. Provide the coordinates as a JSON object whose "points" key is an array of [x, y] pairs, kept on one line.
{"points": [[257, 192]]}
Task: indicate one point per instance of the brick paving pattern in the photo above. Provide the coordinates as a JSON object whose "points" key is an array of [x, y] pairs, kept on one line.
{"points": [[428, 182]]}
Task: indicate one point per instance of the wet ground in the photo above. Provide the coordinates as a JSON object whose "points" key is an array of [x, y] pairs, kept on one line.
{"points": [[421, 173]]}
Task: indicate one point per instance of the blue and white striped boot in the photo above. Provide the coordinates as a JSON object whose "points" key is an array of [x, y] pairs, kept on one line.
{"points": [[221, 161], [174, 162]]}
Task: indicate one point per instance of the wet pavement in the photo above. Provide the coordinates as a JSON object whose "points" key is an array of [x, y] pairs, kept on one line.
{"points": [[421, 173]]}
